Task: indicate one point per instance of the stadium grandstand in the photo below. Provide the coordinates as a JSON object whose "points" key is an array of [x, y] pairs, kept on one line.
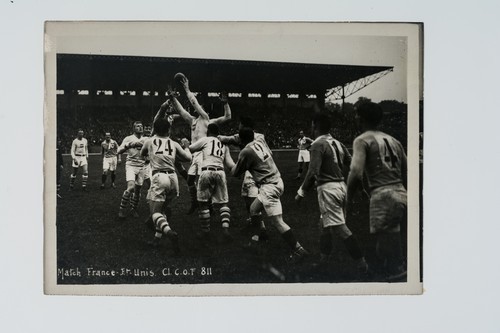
{"points": [[107, 93]]}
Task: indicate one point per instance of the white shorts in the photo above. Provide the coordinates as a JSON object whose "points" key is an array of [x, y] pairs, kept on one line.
{"points": [[134, 173], [249, 187], [148, 172], [109, 163], [79, 161], [195, 168], [269, 195], [331, 200], [304, 156], [388, 208], [164, 186], [212, 185]]}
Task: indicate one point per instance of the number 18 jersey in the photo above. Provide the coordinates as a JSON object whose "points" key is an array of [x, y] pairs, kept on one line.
{"points": [[384, 158], [214, 152]]}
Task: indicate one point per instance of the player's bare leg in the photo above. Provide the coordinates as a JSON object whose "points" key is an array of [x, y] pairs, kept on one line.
{"points": [[85, 176], [125, 201]]}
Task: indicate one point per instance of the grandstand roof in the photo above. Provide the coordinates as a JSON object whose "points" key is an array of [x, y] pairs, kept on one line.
{"points": [[99, 72]]}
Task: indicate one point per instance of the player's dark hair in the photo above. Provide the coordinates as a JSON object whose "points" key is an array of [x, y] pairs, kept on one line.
{"points": [[246, 135], [370, 113], [322, 122], [247, 122], [161, 126], [212, 130]]}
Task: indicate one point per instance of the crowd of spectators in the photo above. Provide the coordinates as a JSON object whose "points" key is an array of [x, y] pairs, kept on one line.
{"points": [[281, 127]]}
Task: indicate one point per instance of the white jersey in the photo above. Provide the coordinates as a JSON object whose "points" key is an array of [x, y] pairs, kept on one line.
{"points": [[134, 157], [162, 152], [214, 152], [79, 147]]}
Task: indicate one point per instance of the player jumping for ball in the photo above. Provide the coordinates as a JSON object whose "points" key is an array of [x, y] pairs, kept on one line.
{"points": [[134, 170], [163, 152], [199, 125], [256, 158], [329, 163], [303, 144], [382, 159], [79, 155], [212, 184], [110, 159]]}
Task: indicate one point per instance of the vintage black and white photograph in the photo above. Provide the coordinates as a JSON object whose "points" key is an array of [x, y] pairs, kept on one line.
{"points": [[233, 158]]}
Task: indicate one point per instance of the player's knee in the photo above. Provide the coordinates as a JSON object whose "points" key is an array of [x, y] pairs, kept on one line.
{"points": [[342, 231], [279, 224]]}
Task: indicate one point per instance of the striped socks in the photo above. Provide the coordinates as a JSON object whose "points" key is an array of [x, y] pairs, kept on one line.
{"points": [[225, 216]]}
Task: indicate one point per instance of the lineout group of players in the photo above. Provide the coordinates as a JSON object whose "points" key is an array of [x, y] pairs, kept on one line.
{"points": [[376, 156]]}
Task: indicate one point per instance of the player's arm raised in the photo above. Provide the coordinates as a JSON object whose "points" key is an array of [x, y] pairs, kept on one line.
{"points": [[358, 162], [162, 111], [227, 110], [192, 98], [182, 112]]}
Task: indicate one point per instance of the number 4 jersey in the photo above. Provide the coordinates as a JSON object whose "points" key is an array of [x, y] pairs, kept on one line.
{"points": [[385, 158]]}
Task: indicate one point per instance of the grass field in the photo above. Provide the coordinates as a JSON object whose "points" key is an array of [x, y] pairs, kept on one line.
{"points": [[92, 240]]}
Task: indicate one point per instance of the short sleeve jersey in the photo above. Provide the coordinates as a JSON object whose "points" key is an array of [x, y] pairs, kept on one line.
{"points": [[134, 157], [79, 147], [334, 157], [109, 148], [383, 158], [161, 153], [257, 158], [214, 152]]}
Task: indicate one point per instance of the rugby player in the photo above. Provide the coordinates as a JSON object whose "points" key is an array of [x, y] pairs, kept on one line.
{"points": [[79, 155], [162, 153], [257, 159], [212, 184], [249, 189], [383, 160], [303, 144], [134, 170], [199, 125], [110, 159], [330, 161]]}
